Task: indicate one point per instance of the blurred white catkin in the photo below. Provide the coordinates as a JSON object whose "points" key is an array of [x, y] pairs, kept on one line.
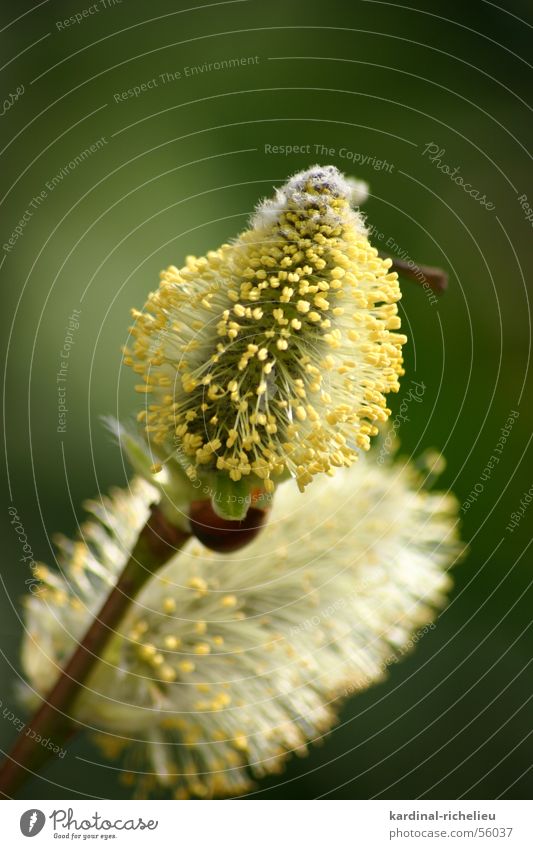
{"points": [[225, 664]]}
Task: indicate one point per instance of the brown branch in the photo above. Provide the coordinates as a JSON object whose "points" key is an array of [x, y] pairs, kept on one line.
{"points": [[424, 275], [157, 542]]}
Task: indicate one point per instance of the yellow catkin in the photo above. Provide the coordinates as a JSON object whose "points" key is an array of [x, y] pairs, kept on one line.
{"points": [[298, 313]]}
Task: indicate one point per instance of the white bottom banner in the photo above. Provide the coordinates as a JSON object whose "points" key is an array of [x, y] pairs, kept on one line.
{"points": [[265, 824]]}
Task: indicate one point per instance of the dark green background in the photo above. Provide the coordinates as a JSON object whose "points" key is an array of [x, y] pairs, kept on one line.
{"points": [[182, 176]]}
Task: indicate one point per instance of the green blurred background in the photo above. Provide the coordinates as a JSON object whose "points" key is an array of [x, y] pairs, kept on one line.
{"points": [[178, 171]]}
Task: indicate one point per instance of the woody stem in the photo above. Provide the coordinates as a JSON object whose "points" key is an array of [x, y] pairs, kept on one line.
{"points": [[157, 542], [435, 278]]}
